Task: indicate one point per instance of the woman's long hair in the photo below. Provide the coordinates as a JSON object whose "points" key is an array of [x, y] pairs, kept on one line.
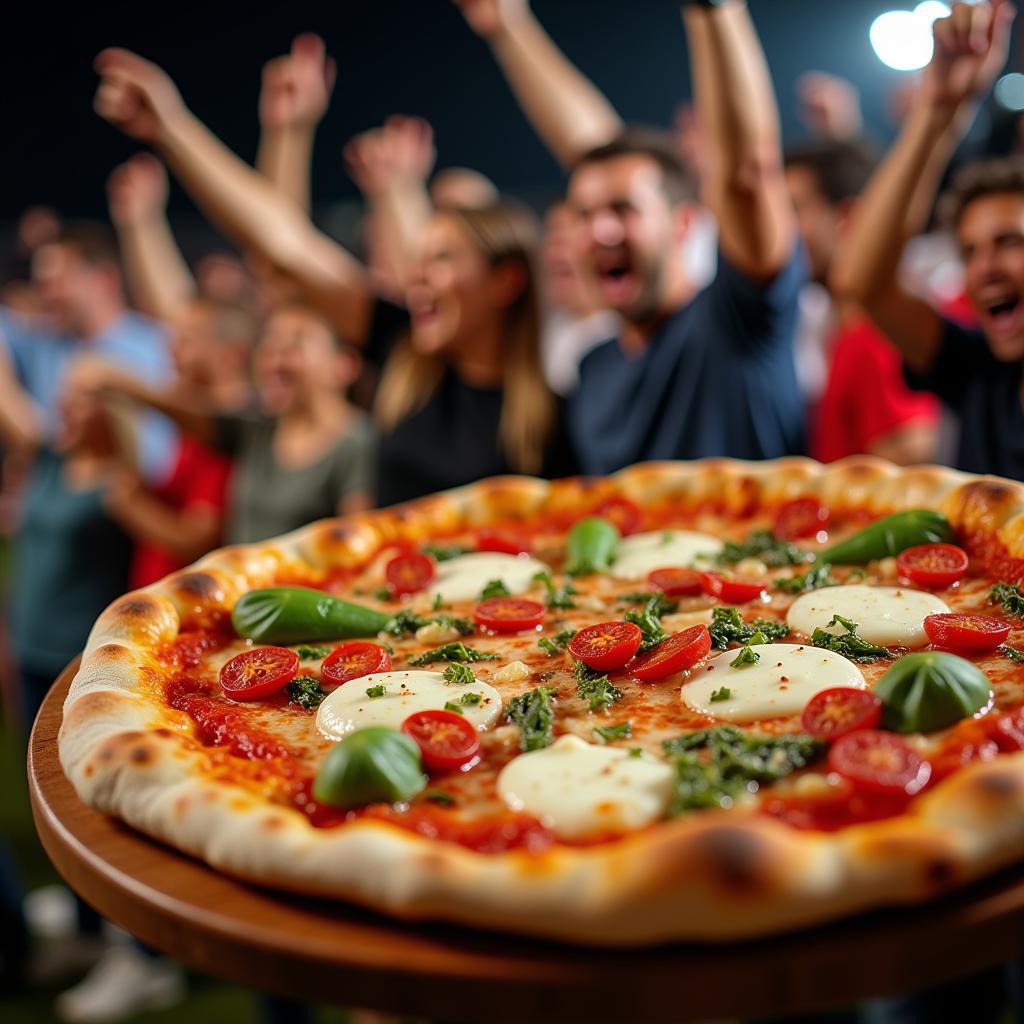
{"points": [[504, 232]]}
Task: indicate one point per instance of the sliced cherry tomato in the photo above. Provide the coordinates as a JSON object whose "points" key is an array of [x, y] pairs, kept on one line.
{"points": [[352, 660], [506, 541], [410, 572], [730, 589], [932, 565], [258, 673], [675, 582], [621, 512], [833, 713], [678, 652], [801, 517], [509, 614], [880, 762], [447, 741], [607, 645], [966, 634]]}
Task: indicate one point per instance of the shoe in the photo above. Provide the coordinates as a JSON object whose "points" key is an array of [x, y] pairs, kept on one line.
{"points": [[50, 913], [125, 982]]}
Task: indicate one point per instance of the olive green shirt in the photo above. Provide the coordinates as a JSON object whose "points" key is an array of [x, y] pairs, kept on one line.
{"points": [[267, 499]]}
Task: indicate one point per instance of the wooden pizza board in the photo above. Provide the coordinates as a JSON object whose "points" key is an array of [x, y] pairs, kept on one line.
{"points": [[326, 952]]}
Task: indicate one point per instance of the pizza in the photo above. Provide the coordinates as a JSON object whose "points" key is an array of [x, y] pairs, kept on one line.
{"points": [[702, 700]]}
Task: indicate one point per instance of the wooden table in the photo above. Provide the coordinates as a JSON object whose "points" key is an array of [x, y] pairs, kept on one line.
{"points": [[324, 952]]}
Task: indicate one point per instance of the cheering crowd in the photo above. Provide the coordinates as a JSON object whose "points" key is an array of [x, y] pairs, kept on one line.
{"points": [[695, 292]]}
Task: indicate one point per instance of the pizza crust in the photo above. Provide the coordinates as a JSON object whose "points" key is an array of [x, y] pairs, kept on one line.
{"points": [[713, 876]]}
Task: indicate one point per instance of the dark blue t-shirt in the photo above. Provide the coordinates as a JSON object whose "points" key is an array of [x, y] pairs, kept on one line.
{"points": [[717, 378], [986, 394]]}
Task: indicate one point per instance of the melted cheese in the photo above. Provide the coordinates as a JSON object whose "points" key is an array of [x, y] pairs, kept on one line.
{"points": [[349, 708], [780, 682], [463, 578], [890, 616], [582, 790], [661, 549]]}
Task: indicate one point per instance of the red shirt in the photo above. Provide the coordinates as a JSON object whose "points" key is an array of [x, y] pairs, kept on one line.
{"points": [[200, 477], [866, 396]]}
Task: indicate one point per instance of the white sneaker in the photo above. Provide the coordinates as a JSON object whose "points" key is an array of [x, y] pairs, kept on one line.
{"points": [[50, 912], [124, 983], [65, 959]]}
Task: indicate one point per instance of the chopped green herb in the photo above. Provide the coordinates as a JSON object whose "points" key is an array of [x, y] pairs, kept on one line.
{"points": [[813, 579], [533, 713], [1012, 653], [452, 706], [383, 594], [724, 693], [1010, 596], [664, 606], [763, 544], [310, 652], [459, 675], [471, 698], [454, 651], [436, 796], [594, 688], [438, 603], [649, 623], [636, 752], [557, 643], [306, 691], [387, 647], [495, 588], [444, 553], [727, 626], [558, 597], [744, 658], [406, 623], [714, 766], [666, 536], [610, 733], [848, 644], [376, 691]]}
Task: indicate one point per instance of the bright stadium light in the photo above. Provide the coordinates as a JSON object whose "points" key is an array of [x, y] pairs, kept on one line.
{"points": [[902, 40], [1009, 91]]}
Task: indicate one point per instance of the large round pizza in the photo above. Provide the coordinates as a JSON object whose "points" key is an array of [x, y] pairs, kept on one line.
{"points": [[688, 701]]}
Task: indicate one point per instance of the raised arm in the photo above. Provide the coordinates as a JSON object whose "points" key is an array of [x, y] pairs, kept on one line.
{"points": [[970, 50], [293, 99], [390, 165], [157, 276], [566, 109], [139, 98], [744, 184]]}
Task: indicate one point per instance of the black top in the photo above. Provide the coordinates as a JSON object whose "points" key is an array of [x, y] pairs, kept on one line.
{"points": [[716, 378], [453, 439], [986, 394]]}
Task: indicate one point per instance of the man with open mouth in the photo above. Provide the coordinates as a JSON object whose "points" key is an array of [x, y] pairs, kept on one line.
{"points": [[978, 373], [693, 372]]}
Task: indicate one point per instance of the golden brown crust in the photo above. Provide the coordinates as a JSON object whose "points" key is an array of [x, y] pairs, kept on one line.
{"points": [[714, 876]]}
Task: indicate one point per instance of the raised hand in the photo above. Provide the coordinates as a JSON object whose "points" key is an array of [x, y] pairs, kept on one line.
{"points": [[400, 152], [488, 17], [297, 87], [135, 95], [829, 105], [137, 189], [970, 50]]}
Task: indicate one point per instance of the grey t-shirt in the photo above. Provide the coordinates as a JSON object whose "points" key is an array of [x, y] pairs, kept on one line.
{"points": [[267, 499]]}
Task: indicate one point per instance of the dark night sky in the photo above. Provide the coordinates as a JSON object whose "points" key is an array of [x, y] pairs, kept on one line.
{"points": [[413, 56]]}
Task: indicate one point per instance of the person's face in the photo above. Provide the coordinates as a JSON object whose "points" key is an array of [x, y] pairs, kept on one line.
{"points": [[628, 232], [450, 296], [296, 357], [68, 286], [194, 346], [559, 258], [816, 218], [990, 234]]}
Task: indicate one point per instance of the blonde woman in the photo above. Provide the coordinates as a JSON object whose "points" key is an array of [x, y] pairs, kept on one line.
{"points": [[461, 394]]}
